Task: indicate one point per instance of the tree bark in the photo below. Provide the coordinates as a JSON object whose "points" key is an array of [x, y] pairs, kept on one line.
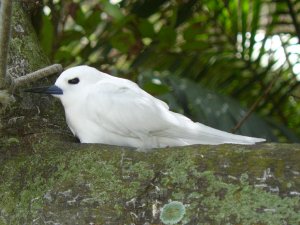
{"points": [[51, 180], [25, 53]]}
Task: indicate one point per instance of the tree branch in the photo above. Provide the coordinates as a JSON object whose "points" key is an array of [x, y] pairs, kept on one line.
{"points": [[5, 21], [254, 105], [36, 75]]}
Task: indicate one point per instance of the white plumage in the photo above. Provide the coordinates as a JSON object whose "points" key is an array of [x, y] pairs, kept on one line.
{"points": [[101, 108]]}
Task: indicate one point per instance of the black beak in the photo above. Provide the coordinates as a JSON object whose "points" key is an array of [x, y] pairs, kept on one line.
{"points": [[52, 90]]}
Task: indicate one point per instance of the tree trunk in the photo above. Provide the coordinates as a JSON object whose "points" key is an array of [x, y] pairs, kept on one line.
{"points": [[25, 53]]}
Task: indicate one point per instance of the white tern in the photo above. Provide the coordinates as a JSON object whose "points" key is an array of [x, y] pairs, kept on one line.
{"points": [[101, 108]]}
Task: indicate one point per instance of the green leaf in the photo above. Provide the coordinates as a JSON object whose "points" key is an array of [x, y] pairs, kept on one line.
{"points": [[186, 10], [193, 32], [156, 89], [47, 34], [123, 41], [63, 56], [146, 28], [113, 10], [233, 11], [71, 35], [244, 19], [146, 8], [80, 17], [255, 23], [92, 21], [166, 36]]}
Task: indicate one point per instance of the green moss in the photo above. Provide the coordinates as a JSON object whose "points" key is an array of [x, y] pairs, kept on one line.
{"points": [[12, 141], [94, 174], [24, 40], [212, 199], [100, 183], [245, 204]]}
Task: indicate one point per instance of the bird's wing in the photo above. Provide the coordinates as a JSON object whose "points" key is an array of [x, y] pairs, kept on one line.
{"points": [[121, 107]]}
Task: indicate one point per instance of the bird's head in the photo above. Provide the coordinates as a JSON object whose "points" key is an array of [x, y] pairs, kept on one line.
{"points": [[71, 83]]}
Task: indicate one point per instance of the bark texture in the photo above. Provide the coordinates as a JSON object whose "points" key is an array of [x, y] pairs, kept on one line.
{"points": [[25, 54], [52, 181]]}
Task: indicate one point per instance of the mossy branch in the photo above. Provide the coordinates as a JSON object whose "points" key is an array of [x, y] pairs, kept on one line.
{"points": [[5, 21]]}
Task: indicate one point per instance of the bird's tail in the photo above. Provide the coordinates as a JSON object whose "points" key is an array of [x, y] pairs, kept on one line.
{"points": [[189, 133]]}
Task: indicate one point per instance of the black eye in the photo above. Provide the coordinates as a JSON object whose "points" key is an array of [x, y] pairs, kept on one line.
{"points": [[73, 81]]}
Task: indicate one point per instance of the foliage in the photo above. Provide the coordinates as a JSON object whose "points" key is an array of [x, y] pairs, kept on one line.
{"points": [[243, 49]]}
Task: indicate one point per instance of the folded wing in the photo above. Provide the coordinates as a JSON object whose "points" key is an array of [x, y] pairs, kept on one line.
{"points": [[123, 109]]}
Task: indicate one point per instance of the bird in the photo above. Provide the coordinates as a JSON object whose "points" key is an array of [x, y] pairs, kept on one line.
{"points": [[101, 108]]}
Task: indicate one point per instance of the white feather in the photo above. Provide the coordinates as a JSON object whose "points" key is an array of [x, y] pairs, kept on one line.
{"points": [[110, 110]]}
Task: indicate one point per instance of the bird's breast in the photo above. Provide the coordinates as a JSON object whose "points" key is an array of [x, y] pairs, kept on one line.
{"points": [[92, 130]]}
